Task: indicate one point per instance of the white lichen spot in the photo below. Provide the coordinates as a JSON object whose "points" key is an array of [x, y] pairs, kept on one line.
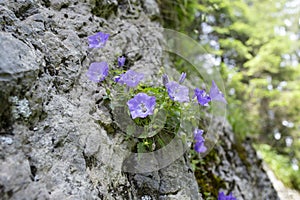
{"points": [[6, 140], [20, 108], [146, 197]]}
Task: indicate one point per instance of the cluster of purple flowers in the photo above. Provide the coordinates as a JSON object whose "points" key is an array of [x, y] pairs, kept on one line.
{"points": [[180, 93], [98, 71], [142, 105]]}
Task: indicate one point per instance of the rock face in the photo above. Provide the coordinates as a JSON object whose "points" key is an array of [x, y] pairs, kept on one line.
{"points": [[18, 69], [57, 136], [237, 167]]}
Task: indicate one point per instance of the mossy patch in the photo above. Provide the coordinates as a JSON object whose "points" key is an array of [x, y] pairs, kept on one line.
{"points": [[209, 184], [242, 154], [104, 10]]}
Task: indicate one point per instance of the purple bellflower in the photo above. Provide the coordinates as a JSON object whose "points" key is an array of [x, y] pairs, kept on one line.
{"points": [[202, 97], [177, 92], [98, 40], [97, 71], [165, 79], [117, 78], [199, 141], [131, 78], [215, 94], [121, 61], [182, 77], [141, 105], [222, 196]]}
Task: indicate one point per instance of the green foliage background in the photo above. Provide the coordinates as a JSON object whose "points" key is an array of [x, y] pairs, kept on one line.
{"points": [[257, 45]]}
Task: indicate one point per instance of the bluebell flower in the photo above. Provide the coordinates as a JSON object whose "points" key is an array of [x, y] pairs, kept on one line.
{"points": [[117, 78], [182, 78], [131, 78], [177, 92], [202, 97], [222, 196], [121, 61], [199, 141], [141, 105], [97, 71], [165, 79], [98, 40], [215, 94]]}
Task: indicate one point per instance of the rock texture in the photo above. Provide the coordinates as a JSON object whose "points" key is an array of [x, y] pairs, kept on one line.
{"points": [[57, 136], [237, 167]]}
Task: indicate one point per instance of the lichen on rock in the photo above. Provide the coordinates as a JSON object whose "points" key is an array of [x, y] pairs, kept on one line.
{"points": [[19, 108]]}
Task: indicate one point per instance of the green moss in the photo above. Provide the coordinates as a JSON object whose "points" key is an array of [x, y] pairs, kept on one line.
{"points": [[154, 143], [209, 184], [242, 154], [104, 10]]}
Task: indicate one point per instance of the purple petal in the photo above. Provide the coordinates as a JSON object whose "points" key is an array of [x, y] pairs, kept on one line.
{"points": [[165, 79], [141, 105], [131, 78], [121, 61], [215, 94], [117, 78], [177, 92], [199, 147], [202, 97], [222, 196], [182, 77], [98, 40], [198, 134], [199, 141], [97, 71]]}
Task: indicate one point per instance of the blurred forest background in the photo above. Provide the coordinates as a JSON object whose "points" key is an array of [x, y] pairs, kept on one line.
{"points": [[256, 45]]}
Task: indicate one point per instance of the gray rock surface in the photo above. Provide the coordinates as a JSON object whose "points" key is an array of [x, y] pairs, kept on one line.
{"points": [[18, 69], [61, 144], [58, 139], [237, 167]]}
